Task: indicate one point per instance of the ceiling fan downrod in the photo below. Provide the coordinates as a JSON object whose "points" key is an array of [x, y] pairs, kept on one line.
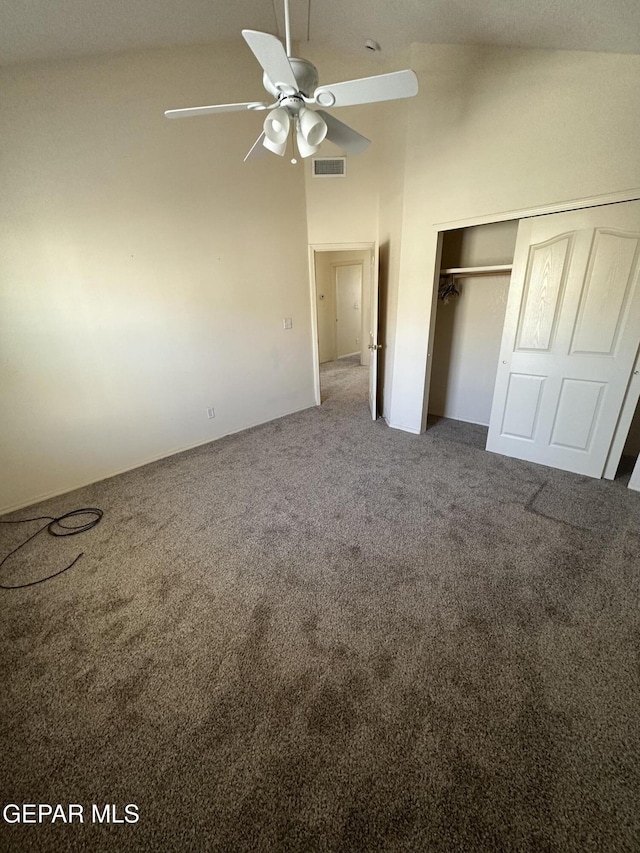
{"points": [[287, 28], [290, 115]]}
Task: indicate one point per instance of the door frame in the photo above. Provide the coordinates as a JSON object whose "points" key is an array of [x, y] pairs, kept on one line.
{"points": [[318, 248], [488, 219]]}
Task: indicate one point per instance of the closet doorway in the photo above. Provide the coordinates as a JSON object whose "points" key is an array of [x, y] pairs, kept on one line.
{"points": [[474, 284], [565, 378]]}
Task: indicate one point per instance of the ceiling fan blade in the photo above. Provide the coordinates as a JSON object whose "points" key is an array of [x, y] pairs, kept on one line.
{"points": [[344, 136], [257, 150], [216, 108], [270, 53], [368, 90]]}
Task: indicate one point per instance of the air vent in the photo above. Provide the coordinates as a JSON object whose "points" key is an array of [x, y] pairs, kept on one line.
{"points": [[329, 167]]}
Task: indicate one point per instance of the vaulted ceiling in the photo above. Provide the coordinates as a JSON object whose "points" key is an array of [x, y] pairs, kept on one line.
{"points": [[48, 29]]}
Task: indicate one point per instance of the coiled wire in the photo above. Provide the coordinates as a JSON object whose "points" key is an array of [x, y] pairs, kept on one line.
{"points": [[56, 527]]}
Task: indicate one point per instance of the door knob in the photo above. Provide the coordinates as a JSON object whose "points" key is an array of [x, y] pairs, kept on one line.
{"points": [[374, 346]]}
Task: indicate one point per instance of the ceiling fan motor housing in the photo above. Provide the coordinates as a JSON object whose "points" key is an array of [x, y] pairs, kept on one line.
{"points": [[306, 75]]}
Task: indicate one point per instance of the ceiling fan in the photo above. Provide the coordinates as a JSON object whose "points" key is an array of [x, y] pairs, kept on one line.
{"points": [[293, 83]]}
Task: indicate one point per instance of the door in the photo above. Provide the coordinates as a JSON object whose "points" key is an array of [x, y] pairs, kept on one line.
{"points": [[348, 278], [570, 338], [373, 344]]}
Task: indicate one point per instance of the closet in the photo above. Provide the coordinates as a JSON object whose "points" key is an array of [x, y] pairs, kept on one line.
{"points": [[549, 358], [474, 283]]}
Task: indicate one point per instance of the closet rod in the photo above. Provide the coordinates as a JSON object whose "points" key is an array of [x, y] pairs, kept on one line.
{"points": [[496, 269]]}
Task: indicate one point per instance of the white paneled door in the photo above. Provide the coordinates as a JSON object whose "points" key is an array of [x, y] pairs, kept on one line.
{"points": [[348, 278], [570, 339]]}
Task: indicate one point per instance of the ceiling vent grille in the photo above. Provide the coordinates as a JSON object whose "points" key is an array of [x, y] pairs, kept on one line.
{"points": [[329, 167]]}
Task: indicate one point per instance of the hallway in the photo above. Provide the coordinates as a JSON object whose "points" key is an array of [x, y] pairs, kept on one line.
{"points": [[344, 379]]}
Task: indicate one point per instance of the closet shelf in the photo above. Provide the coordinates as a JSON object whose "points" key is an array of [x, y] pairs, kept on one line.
{"points": [[495, 269]]}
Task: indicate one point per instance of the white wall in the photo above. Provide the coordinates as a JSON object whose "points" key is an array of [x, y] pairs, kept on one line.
{"points": [[141, 271], [466, 349], [495, 130]]}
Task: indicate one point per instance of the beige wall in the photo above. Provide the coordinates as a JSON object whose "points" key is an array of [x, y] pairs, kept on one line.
{"points": [[141, 271], [480, 246], [345, 210], [326, 307], [496, 130]]}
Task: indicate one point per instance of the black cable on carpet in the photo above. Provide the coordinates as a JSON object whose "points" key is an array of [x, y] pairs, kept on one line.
{"points": [[55, 527]]}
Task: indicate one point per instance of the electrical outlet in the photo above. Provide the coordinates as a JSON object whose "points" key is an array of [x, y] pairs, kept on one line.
{"points": [[288, 323], [211, 412]]}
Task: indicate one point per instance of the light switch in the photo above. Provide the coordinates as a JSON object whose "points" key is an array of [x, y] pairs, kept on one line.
{"points": [[288, 323]]}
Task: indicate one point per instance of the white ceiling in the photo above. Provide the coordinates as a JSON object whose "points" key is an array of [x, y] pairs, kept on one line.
{"points": [[48, 29]]}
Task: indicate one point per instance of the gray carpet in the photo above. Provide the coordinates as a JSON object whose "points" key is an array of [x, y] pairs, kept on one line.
{"points": [[322, 634]]}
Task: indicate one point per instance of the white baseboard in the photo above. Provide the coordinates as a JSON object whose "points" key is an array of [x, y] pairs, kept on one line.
{"points": [[460, 420]]}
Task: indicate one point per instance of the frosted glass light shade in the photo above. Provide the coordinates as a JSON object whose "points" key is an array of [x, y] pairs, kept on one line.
{"points": [[276, 130], [312, 126], [304, 148], [312, 130]]}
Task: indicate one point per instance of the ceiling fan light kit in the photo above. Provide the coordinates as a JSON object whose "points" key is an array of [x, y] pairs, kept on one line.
{"points": [[276, 130], [312, 127], [293, 82]]}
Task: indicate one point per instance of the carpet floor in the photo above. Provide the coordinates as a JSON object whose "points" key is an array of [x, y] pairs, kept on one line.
{"points": [[322, 634]]}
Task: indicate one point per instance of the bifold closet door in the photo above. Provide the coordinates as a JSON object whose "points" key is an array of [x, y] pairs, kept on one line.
{"points": [[570, 339]]}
